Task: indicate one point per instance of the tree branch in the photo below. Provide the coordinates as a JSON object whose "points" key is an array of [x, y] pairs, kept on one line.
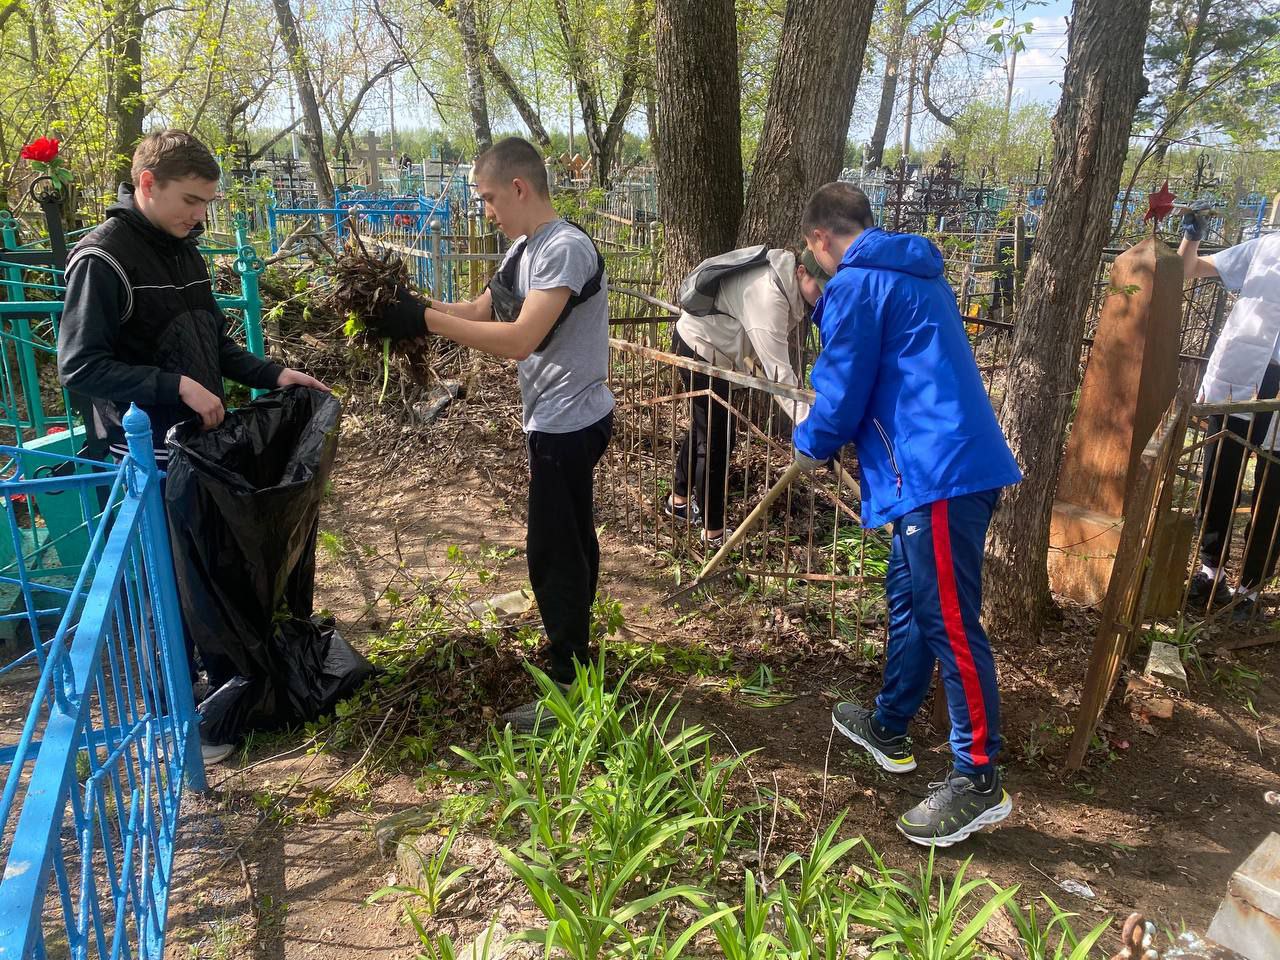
{"points": [[390, 67], [9, 9], [944, 118], [208, 86], [275, 138]]}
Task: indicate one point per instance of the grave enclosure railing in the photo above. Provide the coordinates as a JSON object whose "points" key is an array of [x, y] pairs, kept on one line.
{"points": [[811, 554], [96, 770], [90, 635]]}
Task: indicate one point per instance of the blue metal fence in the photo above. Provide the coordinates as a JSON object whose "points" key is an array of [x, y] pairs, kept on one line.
{"points": [[415, 228], [89, 812]]}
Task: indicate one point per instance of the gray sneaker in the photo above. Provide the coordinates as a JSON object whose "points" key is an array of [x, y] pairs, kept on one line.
{"points": [[955, 809], [893, 754], [213, 753], [533, 717], [716, 542]]}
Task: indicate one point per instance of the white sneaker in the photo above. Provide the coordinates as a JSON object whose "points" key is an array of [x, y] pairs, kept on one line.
{"points": [[716, 542], [216, 752]]}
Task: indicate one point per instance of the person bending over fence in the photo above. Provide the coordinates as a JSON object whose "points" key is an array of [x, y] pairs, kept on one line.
{"points": [[738, 311], [552, 288], [896, 377], [1244, 364]]}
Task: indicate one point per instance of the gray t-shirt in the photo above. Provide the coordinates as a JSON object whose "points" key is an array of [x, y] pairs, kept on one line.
{"points": [[563, 387]]}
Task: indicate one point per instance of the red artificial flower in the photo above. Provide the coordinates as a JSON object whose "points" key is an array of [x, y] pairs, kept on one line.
{"points": [[41, 150]]}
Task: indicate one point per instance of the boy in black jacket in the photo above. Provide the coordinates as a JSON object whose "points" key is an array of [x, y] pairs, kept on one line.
{"points": [[140, 324]]}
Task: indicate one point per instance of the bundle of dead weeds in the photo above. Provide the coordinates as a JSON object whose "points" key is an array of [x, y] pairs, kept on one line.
{"points": [[361, 285]]}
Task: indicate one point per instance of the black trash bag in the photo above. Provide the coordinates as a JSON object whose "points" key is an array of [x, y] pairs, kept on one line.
{"points": [[232, 709], [243, 503]]}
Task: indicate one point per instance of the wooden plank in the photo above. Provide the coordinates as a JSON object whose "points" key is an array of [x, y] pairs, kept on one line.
{"points": [[1124, 590]]}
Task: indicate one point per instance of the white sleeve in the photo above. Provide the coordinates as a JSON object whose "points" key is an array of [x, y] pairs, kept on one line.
{"points": [[766, 318], [1233, 263]]}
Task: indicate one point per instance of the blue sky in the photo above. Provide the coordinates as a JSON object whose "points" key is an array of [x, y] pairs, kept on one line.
{"points": [[1037, 76], [1037, 79]]}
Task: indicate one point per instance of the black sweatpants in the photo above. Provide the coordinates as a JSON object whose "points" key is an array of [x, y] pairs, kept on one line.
{"points": [[702, 463], [1219, 498], [561, 544]]}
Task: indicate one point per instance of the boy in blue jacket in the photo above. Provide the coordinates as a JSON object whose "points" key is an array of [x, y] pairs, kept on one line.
{"points": [[896, 377]]}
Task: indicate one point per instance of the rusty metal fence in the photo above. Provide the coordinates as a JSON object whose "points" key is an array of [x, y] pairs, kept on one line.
{"points": [[811, 550], [1223, 514], [1196, 559], [810, 554]]}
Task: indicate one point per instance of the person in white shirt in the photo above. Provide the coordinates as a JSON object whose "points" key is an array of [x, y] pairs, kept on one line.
{"points": [[756, 313], [1244, 364]]}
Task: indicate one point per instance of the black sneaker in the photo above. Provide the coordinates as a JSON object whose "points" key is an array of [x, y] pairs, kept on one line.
{"points": [[1200, 588], [688, 511], [893, 754], [955, 809], [1244, 611]]}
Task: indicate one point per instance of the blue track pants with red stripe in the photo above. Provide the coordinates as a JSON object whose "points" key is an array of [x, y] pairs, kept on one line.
{"points": [[934, 592]]}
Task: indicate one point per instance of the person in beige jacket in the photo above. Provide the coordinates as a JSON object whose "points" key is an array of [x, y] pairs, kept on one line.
{"points": [[756, 313]]}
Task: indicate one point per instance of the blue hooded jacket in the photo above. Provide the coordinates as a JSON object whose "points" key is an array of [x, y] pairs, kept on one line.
{"points": [[896, 376]]}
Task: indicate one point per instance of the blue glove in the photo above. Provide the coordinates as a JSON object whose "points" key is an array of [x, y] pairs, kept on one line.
{"points": [[1195, 219]]}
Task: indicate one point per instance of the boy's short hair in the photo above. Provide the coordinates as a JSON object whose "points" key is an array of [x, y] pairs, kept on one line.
{"points": [[838, 207], [511, 158], [172, 155]]}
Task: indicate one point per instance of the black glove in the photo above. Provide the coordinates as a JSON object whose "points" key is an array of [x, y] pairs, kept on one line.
{"points": [[1195, 219], [403, 319]]}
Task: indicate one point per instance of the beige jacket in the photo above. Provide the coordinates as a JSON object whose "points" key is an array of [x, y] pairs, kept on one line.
{"points": [[757, 312]]}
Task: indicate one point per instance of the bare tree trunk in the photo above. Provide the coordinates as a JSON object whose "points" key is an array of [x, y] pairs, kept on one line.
{"points": [[699, 148], [1100, 92], [649, 83], [909, 114], [651, 117], [926, 79], [603, 138], [496, 68], [806, 119], [1186, 70], [477, 102], [301, 70], [889, 89], [128, 107], [502, 76]]}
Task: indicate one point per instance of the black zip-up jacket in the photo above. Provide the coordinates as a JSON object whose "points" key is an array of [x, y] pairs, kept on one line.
{"points": [[139, 315]]}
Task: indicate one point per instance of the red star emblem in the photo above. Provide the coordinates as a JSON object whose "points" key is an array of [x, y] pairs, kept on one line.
{"points": [[1159, 204]]}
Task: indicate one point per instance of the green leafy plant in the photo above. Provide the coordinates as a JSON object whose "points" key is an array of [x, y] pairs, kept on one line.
{"points": [[434, 883], [1038, 935], [584, 897], [903, 907]]}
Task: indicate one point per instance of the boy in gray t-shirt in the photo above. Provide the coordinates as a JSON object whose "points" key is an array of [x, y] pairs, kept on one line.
{"points": [[552, 288], [562, 387]]}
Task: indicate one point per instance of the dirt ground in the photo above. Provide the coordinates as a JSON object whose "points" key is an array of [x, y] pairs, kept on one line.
{"points": [[1158, 820]]}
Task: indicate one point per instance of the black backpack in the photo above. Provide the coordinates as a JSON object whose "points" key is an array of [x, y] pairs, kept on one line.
{"points": [[507, 305]]}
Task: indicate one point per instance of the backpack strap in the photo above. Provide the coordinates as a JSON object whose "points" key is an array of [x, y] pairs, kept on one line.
{"points": [[507, 306]]}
